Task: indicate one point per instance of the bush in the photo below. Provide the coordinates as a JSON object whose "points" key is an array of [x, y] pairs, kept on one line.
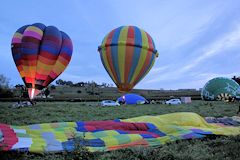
{"points": [[6, 93]]}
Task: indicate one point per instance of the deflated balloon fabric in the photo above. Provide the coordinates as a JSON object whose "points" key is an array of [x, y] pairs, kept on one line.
{"points": [[110, 134]]}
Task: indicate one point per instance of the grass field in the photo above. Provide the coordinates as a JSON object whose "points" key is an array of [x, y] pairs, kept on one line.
{"points": [[207, 148]]}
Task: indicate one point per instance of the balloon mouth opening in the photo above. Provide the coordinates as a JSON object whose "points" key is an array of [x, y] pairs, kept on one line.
{"points": [[123, 88], [33, 92]]}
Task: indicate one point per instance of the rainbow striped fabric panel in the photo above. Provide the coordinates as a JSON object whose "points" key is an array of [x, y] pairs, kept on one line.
{"points": [[111, 134], [41, 53], [127, 53]]}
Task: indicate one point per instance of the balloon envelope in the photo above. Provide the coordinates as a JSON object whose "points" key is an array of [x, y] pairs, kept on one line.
{"points": [[127, 53], [131, 98], [217, 88], [41, 53]]}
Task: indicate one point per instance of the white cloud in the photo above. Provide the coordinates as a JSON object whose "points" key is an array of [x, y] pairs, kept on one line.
{"points": [[176, 73], [176, 28], [209, 76], [157, 70], [229, 40]]}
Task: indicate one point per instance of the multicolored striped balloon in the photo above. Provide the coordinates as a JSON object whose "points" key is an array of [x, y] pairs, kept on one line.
{"points": [[41, 53], [127, 53]]}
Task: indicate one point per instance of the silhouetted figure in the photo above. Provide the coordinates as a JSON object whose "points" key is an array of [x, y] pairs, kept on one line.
{"points": [[120, 102], [46, 92], [33, 103]]}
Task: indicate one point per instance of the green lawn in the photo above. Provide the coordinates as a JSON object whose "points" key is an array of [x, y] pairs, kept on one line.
{"points": [[207, 148]]}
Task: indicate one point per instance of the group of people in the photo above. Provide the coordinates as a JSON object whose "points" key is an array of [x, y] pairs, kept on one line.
{"points": [[122, 101], [20, 103]]}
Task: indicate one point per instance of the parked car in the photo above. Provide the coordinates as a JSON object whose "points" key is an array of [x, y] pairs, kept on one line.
{"points": [[109, 103], [173, 101]]}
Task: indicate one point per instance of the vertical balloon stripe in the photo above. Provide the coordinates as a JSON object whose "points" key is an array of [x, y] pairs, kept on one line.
{"points": [[144, 67], [109, 38], [114, 55], [40, 26], [142, 58], [116, 35], [104, 40], [62, 61], [138, 36], [30, 48], [129, 53], [106, 65], [50, 48], [121, 51], [135, 59], [148, 68], [109, 61], [121, 62], [150, 42], [114, 52], [17, 38], [105, 61], [136, 55], [131, 35], [16, 43], [151, 63], [109, 56], [33, 31], [16, 49]]}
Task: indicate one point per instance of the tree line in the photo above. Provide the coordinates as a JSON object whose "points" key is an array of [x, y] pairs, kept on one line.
{"points": [[61, 82], [6, 91]]}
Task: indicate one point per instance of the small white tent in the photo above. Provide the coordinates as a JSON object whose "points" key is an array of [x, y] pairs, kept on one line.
{"points": [[186, 100]]}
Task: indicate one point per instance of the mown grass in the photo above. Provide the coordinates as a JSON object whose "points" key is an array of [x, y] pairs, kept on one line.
{"points": [[75, 111], [216, 148]]}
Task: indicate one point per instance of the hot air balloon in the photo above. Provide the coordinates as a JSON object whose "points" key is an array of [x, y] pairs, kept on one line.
{"points": [[41, 53], [220, 88], [127, 53]]}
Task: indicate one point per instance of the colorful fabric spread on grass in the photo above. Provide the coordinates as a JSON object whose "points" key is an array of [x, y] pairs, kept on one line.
{"points": [[110, 134]]}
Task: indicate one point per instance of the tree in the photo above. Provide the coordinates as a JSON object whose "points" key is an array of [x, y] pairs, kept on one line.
{"points": [[237, 79], [69, 83], [53, 87], [5, 91], [79, 84], [60, 82], [19, 86], [19, 89], [4, 82], [104, 85]]}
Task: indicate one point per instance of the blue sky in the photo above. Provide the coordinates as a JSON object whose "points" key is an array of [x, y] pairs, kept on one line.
{"points": [[196, 39]]}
